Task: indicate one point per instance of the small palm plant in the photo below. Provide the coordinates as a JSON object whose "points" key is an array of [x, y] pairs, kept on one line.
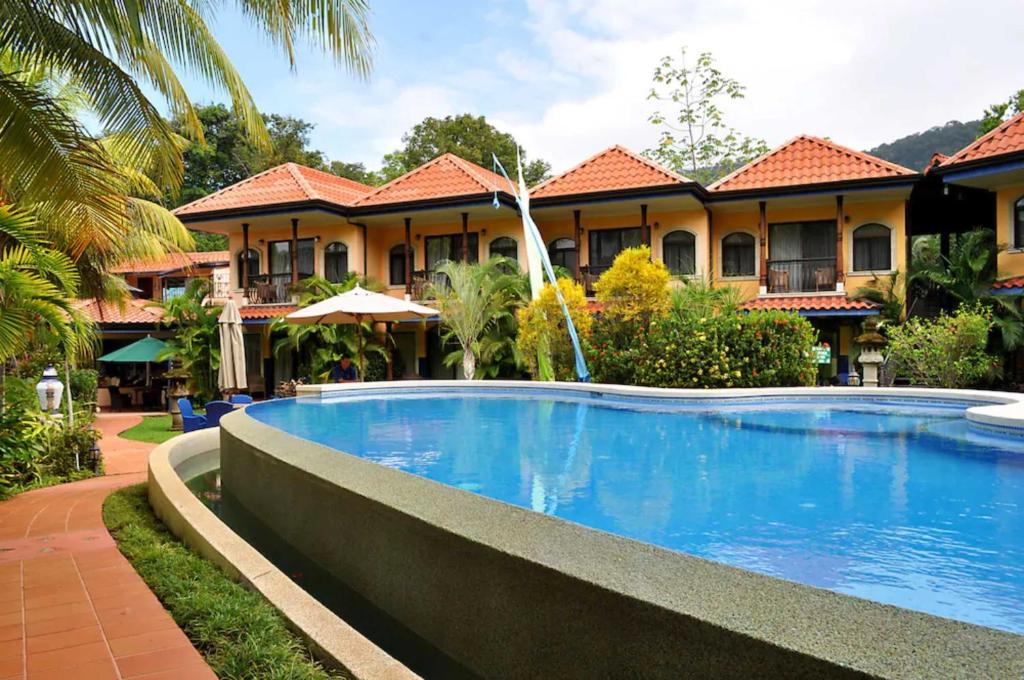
{"points": [[474, 300], [196, 338]]}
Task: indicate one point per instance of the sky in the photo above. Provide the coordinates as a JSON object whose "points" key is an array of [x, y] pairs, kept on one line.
{"points": [[569, 78]]}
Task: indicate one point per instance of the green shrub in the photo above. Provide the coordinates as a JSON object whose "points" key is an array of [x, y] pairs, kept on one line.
{"points": [[945, 351], [33, 450], [759, 349]]}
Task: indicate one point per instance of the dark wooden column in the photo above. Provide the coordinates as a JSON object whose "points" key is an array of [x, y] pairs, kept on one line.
{"points": [[645, 231], [295, 250], [840, 269], [710, 273], [245, 260], [408, 256], [578, 238], [762, 237], [465, 237]]}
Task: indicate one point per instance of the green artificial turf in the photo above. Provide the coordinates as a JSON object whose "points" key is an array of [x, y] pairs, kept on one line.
{"points": [[240, 634]]}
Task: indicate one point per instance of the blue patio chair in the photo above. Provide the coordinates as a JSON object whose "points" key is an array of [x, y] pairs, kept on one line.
{"points": [[190, 421], [216, 409], [240, 399]]}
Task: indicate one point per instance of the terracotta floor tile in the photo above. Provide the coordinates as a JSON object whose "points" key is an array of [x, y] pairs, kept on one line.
{"points": [[125, 587], [10, 606], [11, 649], [10, 618], [65, 595], [163, 660], [167, 638], [64, 638], [11, 632], [197, 671], [11, 666], [116, 629], [119, 600], [67, 657], [57, 611], [61, 623], [99, 669]]}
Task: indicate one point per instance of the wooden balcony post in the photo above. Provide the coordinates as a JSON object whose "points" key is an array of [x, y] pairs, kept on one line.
{"points": [[762, 237], [245, 260], [295, 250], [408, 257], [465, 237], [578, 238], [645, 231], [840, 272]]}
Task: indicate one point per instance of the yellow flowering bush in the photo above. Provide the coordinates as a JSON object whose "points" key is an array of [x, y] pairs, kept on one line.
{"points": [[634, 288], [541, 324]]}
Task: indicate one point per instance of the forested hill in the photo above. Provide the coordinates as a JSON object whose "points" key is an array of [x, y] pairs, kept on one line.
{"points": [[914, 151]]}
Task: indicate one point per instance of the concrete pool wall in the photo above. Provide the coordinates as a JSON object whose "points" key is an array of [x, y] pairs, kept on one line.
{"points": [[506, 592]]}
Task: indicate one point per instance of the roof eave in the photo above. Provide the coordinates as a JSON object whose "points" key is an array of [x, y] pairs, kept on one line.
{"points": [[866, 184], [976, 163], [692, 188], [421, 204], [259, 211]]}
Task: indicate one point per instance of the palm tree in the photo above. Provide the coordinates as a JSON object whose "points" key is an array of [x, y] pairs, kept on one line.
{"points": [[474, 299], [966, 276], [196, 338], [321, 346], [108, 51]]}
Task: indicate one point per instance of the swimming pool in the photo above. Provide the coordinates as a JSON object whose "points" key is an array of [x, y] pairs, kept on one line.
{"points": [[894, 500]]}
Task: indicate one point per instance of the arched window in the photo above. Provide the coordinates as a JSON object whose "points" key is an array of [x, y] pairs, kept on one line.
{"points": [[738, 254], [872, 248], [335, 262], [562, 252], [1018, 223], [396, 264], [679, 252], [254, 264], [505, 247]]}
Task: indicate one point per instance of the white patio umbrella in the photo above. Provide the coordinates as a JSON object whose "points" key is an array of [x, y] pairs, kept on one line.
{"points": [[232, 349], [359, 305]]}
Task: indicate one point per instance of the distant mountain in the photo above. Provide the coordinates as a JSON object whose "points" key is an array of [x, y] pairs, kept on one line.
{"points": [[914, 151]]}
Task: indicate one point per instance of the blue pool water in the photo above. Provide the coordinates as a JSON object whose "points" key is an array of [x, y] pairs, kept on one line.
{"points": [[897, 502]]}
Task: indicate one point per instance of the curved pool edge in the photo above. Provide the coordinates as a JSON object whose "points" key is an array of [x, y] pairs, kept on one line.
{"points": [[491, 579], [335, 642], [995, 412]]}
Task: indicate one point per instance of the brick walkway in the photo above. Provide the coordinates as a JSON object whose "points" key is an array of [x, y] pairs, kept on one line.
{"points": [[71, 606]]}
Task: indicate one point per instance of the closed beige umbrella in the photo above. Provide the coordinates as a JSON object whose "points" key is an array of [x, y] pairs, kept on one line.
{"points": [[359, 305], [232, 350]]}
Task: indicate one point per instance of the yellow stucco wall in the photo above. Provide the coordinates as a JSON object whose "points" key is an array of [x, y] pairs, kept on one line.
{"points": [[1011, 261]]}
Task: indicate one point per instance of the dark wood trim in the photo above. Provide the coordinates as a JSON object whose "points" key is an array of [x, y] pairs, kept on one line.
{"points": [[821, 188], [465, 237], [710, 273], [696, 190], [578, 237], [295, 251], [245, 260], [408, 254], [840, 271], [645, 230], [762, 238]]}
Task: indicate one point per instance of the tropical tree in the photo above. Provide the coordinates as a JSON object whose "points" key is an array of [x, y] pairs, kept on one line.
{"points": [[475, 299], [321, 345], [467, 136], [53, 167], [965, 278], [196, 340], [695, 140], [994, 115], [888, 293]]}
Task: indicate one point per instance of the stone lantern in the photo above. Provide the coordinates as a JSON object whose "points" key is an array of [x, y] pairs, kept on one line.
{"points": [[177, 387], [871, 343]]}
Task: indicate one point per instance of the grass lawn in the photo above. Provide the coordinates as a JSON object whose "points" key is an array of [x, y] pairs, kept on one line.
{"points": [[239, 633], [152, 429]]}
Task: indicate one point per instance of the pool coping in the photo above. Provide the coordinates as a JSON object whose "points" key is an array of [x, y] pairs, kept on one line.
{"points": [[846, 632], [335, 642]]}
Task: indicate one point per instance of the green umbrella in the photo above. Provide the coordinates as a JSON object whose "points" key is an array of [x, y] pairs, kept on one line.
{"points": [[139, 352]]}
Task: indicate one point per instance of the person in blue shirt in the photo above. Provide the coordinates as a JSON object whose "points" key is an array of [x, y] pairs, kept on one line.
{"points": [[344, 371]]}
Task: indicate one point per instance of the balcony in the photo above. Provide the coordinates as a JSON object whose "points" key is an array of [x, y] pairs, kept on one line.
{"points": [[269, 289], [808, 275]]}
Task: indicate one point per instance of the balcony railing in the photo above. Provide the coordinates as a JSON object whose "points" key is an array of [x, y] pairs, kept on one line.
{"points": [[267, 289], [802, 276]]}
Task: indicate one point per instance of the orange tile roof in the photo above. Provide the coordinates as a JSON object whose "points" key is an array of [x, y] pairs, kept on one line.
{"points": [[128, 312], [1007, 138], [612, 169], [172, 262], [287, 183], [811, 303], [265, 311], [444, 177], [808, 160]]}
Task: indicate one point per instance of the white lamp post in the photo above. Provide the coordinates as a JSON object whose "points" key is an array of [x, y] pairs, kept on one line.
{"points": [[49, 391]]}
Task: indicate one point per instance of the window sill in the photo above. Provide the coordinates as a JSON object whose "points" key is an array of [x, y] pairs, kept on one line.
{"points": [[873, 272], [755, 277]]}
